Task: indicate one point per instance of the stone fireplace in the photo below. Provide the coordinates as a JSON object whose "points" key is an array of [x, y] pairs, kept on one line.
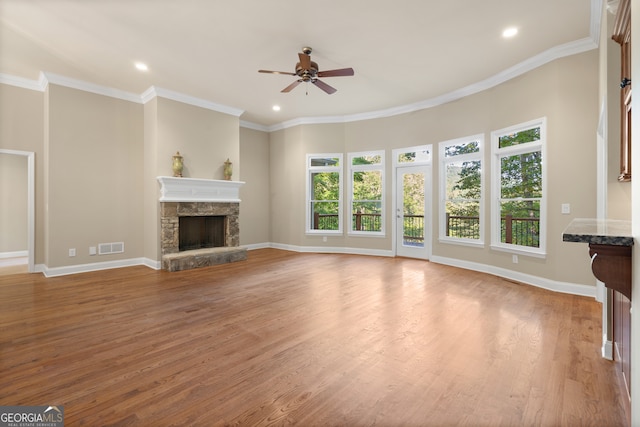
{"points": [[210, 208]]}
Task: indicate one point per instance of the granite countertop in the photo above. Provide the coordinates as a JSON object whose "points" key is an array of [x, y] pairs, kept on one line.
{"points": [[600, 232]]}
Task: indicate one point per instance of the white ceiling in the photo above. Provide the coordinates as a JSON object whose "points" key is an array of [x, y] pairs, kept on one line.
{"points": [[405, 53]]}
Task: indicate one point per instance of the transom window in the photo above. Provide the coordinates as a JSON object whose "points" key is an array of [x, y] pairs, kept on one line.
{"points": [[518, 183], [366, 193], [413, 156], [324, 193]]}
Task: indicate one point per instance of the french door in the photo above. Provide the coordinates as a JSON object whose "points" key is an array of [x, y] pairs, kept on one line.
{"points": [[412, 211]]}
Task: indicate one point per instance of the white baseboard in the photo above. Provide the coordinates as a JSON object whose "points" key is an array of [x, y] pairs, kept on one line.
{"points": [[14, 254], [257, 246], [540, 282], [11, 261], [84, 268]]}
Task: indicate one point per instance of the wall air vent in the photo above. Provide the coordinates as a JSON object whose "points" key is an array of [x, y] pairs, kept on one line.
{"points": [[110, 248]]}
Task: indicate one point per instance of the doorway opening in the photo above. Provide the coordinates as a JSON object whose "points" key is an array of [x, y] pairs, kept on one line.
{"points": [[30, 208], [412, 202]]}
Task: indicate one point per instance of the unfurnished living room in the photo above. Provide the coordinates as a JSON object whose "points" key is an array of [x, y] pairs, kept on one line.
{"points": [[336, 214]]}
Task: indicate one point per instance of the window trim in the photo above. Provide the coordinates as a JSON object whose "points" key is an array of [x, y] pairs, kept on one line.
{"points": [[315, 169], [442, 208], [498, 153], [367, 168]]}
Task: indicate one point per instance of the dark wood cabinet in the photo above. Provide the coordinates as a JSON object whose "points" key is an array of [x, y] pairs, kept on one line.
{"points": [[611, 264]]}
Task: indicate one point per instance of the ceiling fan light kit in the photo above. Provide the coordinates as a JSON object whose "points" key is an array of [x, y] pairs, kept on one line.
{"points": [[308, 71]]}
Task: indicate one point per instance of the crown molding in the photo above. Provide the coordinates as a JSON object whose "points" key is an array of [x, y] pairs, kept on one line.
{"points": [[154, 91], [557, 52], [59, 80], [47, 78], [37, 85], [254, 126]]}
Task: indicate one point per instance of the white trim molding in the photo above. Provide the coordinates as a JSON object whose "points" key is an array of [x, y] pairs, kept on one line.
{"points": [[174, 189], [97, 266], [47, 78], [527, 279], [15, 254], [154, 91]]}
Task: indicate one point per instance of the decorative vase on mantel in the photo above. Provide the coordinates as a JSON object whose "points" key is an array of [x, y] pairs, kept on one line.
{"points": [[228, 170], [178, 165]]}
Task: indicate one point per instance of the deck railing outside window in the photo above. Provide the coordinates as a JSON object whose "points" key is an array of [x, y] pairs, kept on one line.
{"points": [[413, 224], [519, 231], [361, 221]]}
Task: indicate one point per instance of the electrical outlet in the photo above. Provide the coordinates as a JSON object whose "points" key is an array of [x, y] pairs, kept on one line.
{"points": [[515, 259], [324, 238], [566, 208], [72, 252], [92, 250]]}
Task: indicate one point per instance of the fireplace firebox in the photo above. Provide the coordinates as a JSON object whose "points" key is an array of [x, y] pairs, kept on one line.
{"points": [[199, 232]]}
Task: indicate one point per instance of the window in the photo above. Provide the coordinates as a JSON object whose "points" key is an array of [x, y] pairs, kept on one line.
{"points": [[366, 193], [461, 184], [420, 155], [518, 210], [324, 193]]}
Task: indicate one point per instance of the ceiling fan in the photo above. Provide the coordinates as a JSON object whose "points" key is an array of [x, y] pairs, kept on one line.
{"points": [[307, 71]]}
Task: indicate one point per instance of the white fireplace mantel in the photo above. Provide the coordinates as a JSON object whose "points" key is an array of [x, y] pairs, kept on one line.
{"points": [[174, 189]]}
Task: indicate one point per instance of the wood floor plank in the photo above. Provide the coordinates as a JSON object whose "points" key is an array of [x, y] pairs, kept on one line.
{"points": [[306, 339]]}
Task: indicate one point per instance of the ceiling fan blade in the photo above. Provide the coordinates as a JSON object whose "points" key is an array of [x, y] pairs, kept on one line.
{"points": [[291, 86], [305, 61], [325, 87], [336, 73], [277, 72]]}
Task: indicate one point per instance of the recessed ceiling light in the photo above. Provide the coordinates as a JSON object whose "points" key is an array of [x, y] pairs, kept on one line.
{"points": [[276, 108], [142, 66], [509, 32]]}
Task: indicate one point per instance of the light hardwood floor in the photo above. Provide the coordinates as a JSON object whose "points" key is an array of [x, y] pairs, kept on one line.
{"points": [[307, 339]]}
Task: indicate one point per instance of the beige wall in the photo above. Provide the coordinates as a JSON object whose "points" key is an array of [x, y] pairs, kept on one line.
{"points": [[13, 199], [97, 160], [111, 151], [255, 218], [286, 157], [151, 191], [205, 139], [22, 129], [94, 176], [557, 91]]}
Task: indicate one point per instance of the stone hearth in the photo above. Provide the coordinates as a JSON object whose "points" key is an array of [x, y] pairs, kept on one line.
{"points": [[197, 197]]}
